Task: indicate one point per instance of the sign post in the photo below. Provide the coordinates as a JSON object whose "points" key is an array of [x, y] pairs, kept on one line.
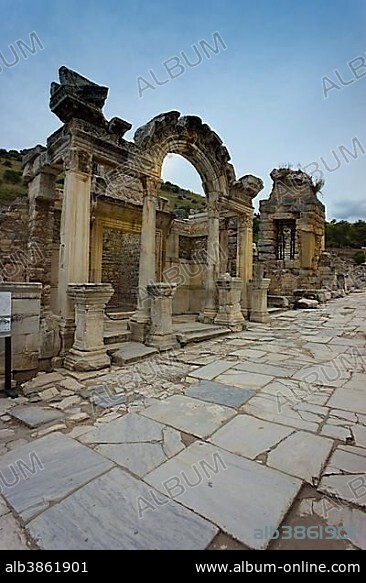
{"points": [[5, 332]]}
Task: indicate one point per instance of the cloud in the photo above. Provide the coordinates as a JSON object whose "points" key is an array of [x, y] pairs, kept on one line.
{"points": [[352, 209]]}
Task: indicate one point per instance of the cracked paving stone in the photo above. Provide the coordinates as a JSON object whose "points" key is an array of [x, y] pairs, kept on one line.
{"points": [[302, 455], [272, 408], [348, 399], [57, 466], [210, 371], [248, 436], [344, 477], [135, 442], [236, 494], [350, 521], [119, 512], [336, 432], [192, 416]]}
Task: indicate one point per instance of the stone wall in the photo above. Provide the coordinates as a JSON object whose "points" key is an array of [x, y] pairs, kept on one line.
{"points": [[120, 267], [292, 202], [14, 256]]}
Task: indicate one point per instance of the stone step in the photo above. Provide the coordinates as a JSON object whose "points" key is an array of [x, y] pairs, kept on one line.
{"points": [[112, 348], [272, 311], [199, 335], [116, 336], [132, 352], [119, 315]]}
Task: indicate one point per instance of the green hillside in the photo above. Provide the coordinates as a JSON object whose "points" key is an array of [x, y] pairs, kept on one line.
{"points": [[180, 198], [11, 181]]}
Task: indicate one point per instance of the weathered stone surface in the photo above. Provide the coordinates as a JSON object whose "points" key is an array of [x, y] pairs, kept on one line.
{"points": [[11, 536], [302, 455], [131, 520], [34, 416], [248, 436], [246, 380], [344, 477], [135, 442], [189, 415], [132, 352], [48, 394], [3, 507], [61, 465], [349, 399], [236, 494], [275, 409], [350, 521], [218, 393], [107, 398], [210, 371], [41, 381], [322, 375]]}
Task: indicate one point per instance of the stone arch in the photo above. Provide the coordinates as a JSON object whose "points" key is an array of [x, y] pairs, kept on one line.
{"points": [[171, 133]]}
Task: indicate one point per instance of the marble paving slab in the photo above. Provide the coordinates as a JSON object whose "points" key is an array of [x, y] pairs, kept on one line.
{"points": [[34, 416], [248, 436], [119, 512], [135, 442], [219, 393], [56, 464], [189, 415], [302, 455], [238, 495]]}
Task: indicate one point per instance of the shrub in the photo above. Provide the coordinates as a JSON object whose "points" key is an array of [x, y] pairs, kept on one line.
{"points": [[359, 257], [12, 176]]}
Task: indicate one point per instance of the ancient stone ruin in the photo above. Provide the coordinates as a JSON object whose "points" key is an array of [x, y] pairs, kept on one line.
{"points": [[100, 238]]}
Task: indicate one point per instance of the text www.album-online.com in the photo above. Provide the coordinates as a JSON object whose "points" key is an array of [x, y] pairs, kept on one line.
{"points": [[301, 567]]}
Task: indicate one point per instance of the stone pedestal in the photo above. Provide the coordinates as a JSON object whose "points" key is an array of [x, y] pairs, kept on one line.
{"points": [[161, 333], [88, 351], [258, 289], [229, 313]]}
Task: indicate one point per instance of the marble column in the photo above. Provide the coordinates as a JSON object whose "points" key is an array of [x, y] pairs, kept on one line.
{"points": [[213, 259], [161, 333], [141, 320], [224, 245], [74, 236], [245, 257], [88, 351]]}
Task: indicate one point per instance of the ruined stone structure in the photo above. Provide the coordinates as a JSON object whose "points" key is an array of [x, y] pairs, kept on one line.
{"points": [[109, 206], [292, 233]]}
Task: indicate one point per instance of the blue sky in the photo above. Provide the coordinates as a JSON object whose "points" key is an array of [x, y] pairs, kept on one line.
{"points": [[263, 94]]}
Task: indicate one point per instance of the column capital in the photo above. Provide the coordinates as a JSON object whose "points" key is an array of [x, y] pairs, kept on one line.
{"points": [[78, 160], [245, 220], [150, 185]]}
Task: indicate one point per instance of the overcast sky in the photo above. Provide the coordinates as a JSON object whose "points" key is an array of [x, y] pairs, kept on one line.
{"points": [[287, 84]]}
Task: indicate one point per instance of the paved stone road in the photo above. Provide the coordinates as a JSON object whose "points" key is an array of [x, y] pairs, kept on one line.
{"points": [[213, 446]]}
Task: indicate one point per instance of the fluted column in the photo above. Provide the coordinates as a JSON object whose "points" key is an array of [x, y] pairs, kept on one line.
{"points": [[245, 257], [213, 258], [140, 321], [74, 235]]}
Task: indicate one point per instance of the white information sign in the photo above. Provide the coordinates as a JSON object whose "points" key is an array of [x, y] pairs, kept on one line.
{"points": [[5, 313]]}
